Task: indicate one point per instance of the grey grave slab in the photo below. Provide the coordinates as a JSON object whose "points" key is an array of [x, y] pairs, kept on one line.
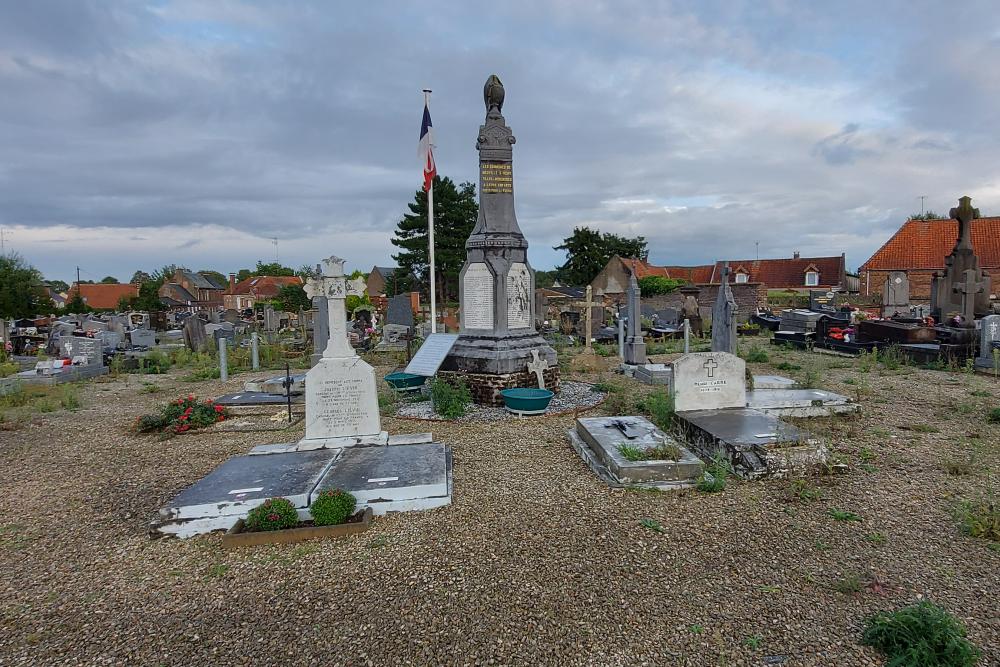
{"points": [[393, 478], [240, 484], [142, 338], [276, 385], [601, 438], [773, 382], [653, 373], [755, 443], [256, 398], [73, 347], [431, 354], [800, 402]]}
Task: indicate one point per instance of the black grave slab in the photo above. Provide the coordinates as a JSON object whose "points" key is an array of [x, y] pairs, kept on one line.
{"points": [[394, 477], [243, 482], [755, 443], [256, 398]]}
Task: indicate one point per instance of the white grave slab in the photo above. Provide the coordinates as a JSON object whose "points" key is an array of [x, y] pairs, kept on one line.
{"points": [[709, 381]]}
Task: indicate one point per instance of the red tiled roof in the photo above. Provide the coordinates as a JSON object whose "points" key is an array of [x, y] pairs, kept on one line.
{"points": [[102, 295], [692, 274], [643, 269], [263, 286], [923, 244], [785, 272]]}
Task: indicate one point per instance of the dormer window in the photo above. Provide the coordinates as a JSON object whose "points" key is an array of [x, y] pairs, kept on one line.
{"points": [[742, 278], [812, 278]]}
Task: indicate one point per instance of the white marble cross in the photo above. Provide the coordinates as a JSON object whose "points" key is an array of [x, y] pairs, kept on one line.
{"points": [[537, 366], [336, 288]]}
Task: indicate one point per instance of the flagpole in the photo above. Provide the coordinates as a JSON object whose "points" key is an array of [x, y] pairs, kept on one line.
{"points": [[430, 236]]}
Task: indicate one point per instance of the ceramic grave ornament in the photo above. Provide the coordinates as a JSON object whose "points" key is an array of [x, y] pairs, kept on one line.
{"points": [[341, 396]]}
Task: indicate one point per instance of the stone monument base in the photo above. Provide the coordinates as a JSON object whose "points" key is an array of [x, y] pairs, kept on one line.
{"points": [[486, 387]]}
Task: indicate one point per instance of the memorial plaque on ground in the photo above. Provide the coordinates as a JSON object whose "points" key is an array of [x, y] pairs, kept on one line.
{"points": [[709, 381], [431, 354], [72, 347]]}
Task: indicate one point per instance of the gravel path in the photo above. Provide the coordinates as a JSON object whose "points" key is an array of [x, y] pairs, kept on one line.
{"points": [[536, 562], [572, 396]]}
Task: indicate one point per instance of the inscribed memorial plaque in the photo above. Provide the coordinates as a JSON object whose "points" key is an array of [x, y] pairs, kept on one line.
{"points": [[496, 178], [431, 354], [518, 296], [477, 301]]}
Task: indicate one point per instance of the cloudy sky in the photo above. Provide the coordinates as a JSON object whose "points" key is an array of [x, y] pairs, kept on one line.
{"points": [[136, 134]]}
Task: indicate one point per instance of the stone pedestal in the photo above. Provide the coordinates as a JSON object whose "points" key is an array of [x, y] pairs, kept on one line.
{"points": [[486, 387]]}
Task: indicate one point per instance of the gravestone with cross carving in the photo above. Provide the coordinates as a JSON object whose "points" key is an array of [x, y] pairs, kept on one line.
{"points": [[341, 396], [989, 343], [947, 296], [969, 289], [708, 381]]}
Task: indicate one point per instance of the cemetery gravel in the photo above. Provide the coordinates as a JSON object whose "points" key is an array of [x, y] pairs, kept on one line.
{"points": [[536, 562]]}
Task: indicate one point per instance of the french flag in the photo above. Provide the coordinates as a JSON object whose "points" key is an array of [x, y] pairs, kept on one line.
{"points": [[426, 150]]}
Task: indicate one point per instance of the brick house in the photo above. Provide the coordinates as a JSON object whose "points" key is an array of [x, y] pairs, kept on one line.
{"points": [[103, 296], [796, 273], [919, 248], [195, 289], [379, 278], [245, 294]]}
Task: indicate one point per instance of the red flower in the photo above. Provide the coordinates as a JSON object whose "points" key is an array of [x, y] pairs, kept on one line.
{"points": [[273, 517]]}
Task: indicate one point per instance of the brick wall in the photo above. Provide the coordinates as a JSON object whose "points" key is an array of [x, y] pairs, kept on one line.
{"points": [[748, 296], [485, 388], [872, 283]]}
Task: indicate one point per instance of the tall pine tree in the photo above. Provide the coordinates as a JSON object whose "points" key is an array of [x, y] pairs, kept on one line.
{"points": [[455, 213]]}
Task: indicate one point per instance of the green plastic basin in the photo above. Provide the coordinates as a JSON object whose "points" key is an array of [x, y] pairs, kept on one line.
{"points": [[405, 381], [524, 401]]}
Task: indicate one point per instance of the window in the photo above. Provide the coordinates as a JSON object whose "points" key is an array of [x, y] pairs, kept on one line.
{"points": [[812, 279], [742, 277]]}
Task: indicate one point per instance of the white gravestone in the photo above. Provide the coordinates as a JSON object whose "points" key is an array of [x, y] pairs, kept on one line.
{"points": [[518, 296], [341, 396], [709, 381], [477, 308]]}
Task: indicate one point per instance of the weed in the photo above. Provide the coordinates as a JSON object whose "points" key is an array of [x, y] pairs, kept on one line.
{"points": [[217, 570], [849, 381], [965, 408], [843, 515], [150, 388], [893, 358], [755, 355], [69, 397], [378, 542], [665, 451], [631, 452], [603, 350], [785, 366], [46, 405], [387, 401], [713, 479], [801, 490], [866, 455], [651, 524], [979, 517], [924, 428], [696, 629], [993, 416], [875, 538], [957, 467], [921, 635], [821, 545], [770, 589], [604, 387], [809, 379], [979, 393], [450, 400], [753, 643], [847, 585], [660, 406], [620, 403]]}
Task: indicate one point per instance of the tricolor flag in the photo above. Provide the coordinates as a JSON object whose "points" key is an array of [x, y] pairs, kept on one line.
{"points": [[426, 150]]}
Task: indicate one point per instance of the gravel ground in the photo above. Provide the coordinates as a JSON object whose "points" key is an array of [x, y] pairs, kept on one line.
{"points": [[572, 396], [536, 562]]}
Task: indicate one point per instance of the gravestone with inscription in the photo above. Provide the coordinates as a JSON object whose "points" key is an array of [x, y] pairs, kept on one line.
{"points": [[952, 292], [81, 350], [497, 284], [341, 398], [989, 343], [708, 381]]}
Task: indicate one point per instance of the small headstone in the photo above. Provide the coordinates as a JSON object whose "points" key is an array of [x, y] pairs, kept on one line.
{"points": [[142, 338], [399, 311], [896, 293], [194, 334], [271, 321], [73, 347], [989, 342], [708, 381]]}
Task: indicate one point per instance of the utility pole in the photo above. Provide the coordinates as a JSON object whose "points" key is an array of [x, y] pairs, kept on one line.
{"points": [[78, 278], [274, 240], [922, 198], [757, 249]]}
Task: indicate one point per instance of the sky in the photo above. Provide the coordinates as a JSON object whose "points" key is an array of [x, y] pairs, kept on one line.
{"points": [[138, 134]]}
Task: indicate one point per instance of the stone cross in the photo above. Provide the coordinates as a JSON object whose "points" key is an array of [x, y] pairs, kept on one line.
{"points": [[335, 288], [965, 214], [710, 367], [969, 289], [589, 305], [537, 366]]}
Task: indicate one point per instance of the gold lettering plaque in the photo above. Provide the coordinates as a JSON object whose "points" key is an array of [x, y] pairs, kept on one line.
{"points": [[496, 178]]}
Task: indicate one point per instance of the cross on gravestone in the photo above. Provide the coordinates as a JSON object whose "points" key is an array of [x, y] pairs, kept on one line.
{"points": [[965, 214], [710, 366], [537, 366], [333, 286], [969, 289]]}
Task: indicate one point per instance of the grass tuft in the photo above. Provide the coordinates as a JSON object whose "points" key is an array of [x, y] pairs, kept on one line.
{"points": [[921, 635]]}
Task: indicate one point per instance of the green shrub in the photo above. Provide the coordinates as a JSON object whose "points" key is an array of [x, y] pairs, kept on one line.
{"points": [[154, 363], [785, 366], [620, 403], [272, 514], [603, 350], [714, 478], [993, 416], [8, 368], [842, 515], [332, 507], [604, 387], [756, 355], [450, 400], [979, 518], [921, 635]]}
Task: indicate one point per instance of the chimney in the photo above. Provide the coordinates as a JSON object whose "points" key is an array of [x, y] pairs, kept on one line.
{"points": [[795, 255], [232, 282]]}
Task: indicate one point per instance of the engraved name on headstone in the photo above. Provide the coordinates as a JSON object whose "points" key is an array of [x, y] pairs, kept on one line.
{"points": [[477, 308]]}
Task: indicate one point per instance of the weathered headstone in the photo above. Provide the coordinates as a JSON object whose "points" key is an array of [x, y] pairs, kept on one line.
{"points": [[341, 398], [970, 288], [142, 338], [896, 293], [321, 327], [724, 317], [708, 381], [399, 311], [194, 334], [80, 349], [635, 346], [537, 366], [989, 343], [946, 298], [271, 321]]}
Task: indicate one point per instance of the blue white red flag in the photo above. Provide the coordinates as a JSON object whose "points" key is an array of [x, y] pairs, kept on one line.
{"points": [[426, 150]]}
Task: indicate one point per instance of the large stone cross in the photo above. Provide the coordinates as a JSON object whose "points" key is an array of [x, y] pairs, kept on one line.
{"points": [[335, 288], [965, 214], [969, 289], [537, 366]]}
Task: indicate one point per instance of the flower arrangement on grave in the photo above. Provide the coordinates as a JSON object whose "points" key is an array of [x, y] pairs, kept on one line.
{"points": [[182, 415], [332, 507], [272, 514]]}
